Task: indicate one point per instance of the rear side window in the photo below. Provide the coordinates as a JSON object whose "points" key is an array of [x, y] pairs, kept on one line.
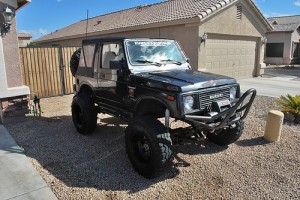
{"points": [[86, 58]]}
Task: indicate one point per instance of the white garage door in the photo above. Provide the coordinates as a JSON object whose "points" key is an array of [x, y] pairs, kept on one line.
{"points": [[231, 57]]}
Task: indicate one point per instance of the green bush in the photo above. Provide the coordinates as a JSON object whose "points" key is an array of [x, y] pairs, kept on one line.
{"points": [[290, 104]]}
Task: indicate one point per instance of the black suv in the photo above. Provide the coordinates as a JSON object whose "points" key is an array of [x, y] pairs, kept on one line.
{"points": [[140, 80]]}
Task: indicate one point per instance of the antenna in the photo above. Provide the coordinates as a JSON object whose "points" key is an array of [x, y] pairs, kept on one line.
{"points": [[87, 23]]}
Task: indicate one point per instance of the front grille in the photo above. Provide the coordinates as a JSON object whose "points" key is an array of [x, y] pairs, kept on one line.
{"points": [[207, 97]]}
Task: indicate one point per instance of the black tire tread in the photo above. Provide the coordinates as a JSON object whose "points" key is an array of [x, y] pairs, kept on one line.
{"points": [[74, 61], [228, 136], [89, 112], [161, 137]]}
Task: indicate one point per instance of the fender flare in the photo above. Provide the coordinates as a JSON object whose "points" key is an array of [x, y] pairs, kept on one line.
{"points": [[154, 97]]}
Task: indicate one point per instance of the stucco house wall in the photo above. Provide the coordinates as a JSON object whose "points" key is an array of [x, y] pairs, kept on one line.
{"points": [[296, 40], [219, 23], [286, 31], [224, 24], [179, 32], [13, 94], [280, 37], [12, 59], [24, 39]]}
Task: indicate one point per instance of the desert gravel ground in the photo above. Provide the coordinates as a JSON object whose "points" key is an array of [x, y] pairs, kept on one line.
{"points": [[96, 166]]}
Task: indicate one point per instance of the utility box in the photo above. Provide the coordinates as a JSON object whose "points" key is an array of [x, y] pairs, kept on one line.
{"points": [[274, 126]]}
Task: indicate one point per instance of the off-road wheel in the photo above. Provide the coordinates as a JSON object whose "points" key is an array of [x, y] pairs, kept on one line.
{"points": [[149, 146], [84, 114], [74, 62], [227, 136]]}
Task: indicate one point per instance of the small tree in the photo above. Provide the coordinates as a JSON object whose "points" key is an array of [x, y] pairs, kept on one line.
{"points": [[291, 104], [32, 44]]}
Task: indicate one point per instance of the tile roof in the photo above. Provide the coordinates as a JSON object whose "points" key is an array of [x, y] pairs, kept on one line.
{"points": [[286, 23], [169, 10], [26, 35]]}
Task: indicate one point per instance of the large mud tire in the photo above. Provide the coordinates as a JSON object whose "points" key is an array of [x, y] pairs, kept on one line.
{"points": [[74, 62], [84, 114], [149, 146], [227, 136]]}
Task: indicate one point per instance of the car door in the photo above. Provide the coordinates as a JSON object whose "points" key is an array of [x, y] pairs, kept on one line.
{"points": [[112, 86]]}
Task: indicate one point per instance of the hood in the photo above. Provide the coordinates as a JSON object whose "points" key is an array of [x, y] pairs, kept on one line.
{"points": [[187, 80]]}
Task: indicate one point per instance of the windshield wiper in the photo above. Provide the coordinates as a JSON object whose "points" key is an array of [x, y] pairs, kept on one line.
{"points": [[148, 61], [172, 61]]}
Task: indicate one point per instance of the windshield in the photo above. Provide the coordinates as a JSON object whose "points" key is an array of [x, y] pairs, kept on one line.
{"points": [[154, 52]]}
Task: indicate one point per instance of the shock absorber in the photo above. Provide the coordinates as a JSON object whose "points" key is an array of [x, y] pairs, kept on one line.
{"points": [[167, 119]]}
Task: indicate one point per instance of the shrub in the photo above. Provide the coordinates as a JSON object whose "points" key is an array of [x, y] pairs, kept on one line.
{"points": [[290, 104]]}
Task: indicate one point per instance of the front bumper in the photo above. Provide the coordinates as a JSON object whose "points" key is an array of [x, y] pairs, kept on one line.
{"points": [[238, 111]]}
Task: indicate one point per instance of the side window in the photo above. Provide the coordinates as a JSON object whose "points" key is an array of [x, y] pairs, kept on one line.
{"points": [[87, 54], [111, 52]]}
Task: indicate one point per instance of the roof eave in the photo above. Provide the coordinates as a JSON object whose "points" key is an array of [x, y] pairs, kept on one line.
{"points": [[215, 8], [282, 31], [265, 20], [22, 3], [287, 31], [225, 3], [187, 21]]}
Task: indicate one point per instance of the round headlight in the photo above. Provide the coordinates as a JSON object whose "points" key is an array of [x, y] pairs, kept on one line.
{"points": [[232, 93], [188, 103]]}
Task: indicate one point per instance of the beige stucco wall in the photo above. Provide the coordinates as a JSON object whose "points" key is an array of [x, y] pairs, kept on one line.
{"points": [[295, 39], [186, 35], [11, 75], [224, 23], [23, 42], [280, 37], [11, 57], [296, 35]]}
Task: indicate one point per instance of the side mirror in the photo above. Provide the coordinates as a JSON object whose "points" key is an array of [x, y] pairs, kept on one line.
{"points": [[188, 60]]}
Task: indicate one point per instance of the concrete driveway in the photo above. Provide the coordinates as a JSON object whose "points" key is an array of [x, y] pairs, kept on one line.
{"points": [[275, 82]]}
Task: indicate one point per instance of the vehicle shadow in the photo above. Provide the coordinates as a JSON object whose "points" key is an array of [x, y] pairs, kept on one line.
{"points": [[98, 160], [205, 147], [282, 72], [252, 142]]}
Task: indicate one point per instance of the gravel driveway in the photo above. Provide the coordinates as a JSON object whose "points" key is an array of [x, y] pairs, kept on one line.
{"points": [[96, 166]]}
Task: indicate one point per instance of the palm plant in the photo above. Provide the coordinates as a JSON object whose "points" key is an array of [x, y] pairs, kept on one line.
{"points": [[291, 104]]}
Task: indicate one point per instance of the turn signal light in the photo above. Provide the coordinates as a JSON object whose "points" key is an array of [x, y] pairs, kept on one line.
{"points": [[170, 98]]}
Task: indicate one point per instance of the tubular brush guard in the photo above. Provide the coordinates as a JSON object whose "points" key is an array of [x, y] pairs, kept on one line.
{"points": [[239, 111]]}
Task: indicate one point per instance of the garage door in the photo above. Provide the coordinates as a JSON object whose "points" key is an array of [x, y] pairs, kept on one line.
{"points": [[234, 57]]}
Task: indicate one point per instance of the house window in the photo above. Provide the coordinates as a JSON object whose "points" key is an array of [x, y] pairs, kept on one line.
{"points": [[239, 10], [275, 50]]}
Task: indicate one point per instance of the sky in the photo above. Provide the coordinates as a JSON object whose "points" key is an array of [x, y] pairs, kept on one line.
{"points": [[42, 17]]}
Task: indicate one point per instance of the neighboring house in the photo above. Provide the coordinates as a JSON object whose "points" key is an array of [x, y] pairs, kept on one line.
{"points": [[13, 94], [220, 36], [283, 43], [24, 39]]}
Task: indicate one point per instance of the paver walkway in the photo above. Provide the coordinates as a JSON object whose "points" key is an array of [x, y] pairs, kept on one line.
{"points": [[18, 178]]}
